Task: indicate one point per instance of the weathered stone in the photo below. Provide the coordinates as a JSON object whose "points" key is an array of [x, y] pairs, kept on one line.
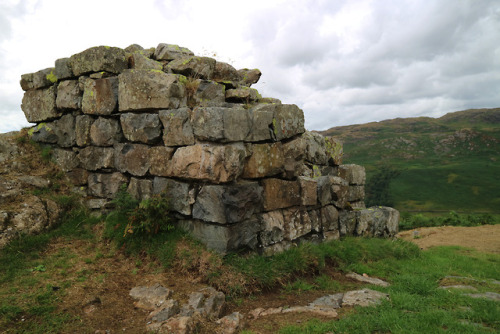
{"points": [[100, 97], [279, 194], [64, 129], [177, 325], [308, 190], [332, 190], [347, 223], [367, 279], [159, 159], [171, 51], [231, 323], [297, 223], [143, 128], [208, 123], [269, 100], [44, 133], [266, 160], [242, 95], [216, 163], [223, 238], [226, 74], [150, 297], [228, 204], [485, 295], [294, 152], [167, 310], [378, 221], [34, 216], [63, 69], [315, 151], [105, 185], [40, 105], [133, 48], [356, 193], [276, 248], [315, 216], [329, 216], [105, 132], [140, 189], [97, 59], [365, 297], [249, 77], [140, 62], [78, 176], [43, 78], [193, 66], [27, 81], [178, 129], [334, 151], [207, 302], [288, 121], [69, 95], [272, 227], [132, 158], [329, 301], [208, 93], [82, 129], [354, 174], [180, 196], [65, 159], [150, 89], [34, 181], [94, 158], [261, 119]]}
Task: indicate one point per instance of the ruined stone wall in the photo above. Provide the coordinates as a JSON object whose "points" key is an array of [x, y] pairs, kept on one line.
{"points": [[240, 170]]}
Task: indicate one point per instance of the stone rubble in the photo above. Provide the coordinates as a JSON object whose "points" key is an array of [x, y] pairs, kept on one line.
{"points": [[242, 171]]}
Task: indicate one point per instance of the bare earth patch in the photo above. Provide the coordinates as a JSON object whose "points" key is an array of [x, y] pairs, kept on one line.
{"points": [[485, 238]]}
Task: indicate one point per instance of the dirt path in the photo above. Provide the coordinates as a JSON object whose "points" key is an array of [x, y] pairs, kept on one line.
{"points": [[484, 238]]}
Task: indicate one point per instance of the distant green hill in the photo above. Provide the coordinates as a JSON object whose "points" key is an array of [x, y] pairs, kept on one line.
{"points": [[446, 163]]}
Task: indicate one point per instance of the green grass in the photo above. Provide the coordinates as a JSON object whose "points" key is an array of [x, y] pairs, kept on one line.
{"points": [[416, 304]]}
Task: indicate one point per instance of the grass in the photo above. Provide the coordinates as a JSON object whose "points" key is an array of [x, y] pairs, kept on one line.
{"points": [[409, 221]]}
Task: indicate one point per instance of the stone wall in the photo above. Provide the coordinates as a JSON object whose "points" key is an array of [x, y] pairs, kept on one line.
{"points": [[241, 170]]}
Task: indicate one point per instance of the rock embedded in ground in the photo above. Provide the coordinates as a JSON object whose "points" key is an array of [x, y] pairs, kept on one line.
{"points": [[364, 297], [366, 279]]}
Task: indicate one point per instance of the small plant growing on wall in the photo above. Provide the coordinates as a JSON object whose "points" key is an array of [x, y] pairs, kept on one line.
{"points": [[149, 218]]}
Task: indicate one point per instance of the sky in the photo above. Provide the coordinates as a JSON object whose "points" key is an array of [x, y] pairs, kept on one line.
{"points": [[341, 61]]}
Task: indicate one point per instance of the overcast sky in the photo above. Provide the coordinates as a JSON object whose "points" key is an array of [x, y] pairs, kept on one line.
{"points": [[343, 62]]}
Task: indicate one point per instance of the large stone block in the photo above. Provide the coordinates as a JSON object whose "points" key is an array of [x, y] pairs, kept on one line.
{"points": [[249, 76], [105, 132], [224, 238], [378, 222], [216, 163], [40, 105], [329, 216], [44, 133], [132, 158], [193, 66], [347, 222], [143, 128], [237, 124], [279, 194], [94, 158], [171, 51], [159, 159], [266, 160], [332, 190], [63, 69], [65, 131], [140, 189], [356, 193], [273, 226], [97, 59], [354, 174], [261, 119], [226, 74], [100, 97], [297, 223], [65, 159], [140, 62], [179, 194], [208, 123], [308, 190], [178, 130], [150, 89], [82, 129], [41, 79], [242, 95], [69, 95], [288, 121], [208, 93], [105, 185], [315, 150], [228, 204]]}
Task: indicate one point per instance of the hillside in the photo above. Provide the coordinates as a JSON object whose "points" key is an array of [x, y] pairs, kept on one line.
{"points": [[446, 163]]}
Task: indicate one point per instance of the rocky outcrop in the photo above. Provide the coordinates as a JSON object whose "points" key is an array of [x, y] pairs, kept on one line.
{"points": [[241, 170]]}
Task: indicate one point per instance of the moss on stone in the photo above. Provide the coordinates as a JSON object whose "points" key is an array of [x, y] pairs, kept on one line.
{"points": [[51, 77]]}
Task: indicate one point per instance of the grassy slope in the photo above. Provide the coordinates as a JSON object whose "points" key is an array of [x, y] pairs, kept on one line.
{"points": [[449, 163]]}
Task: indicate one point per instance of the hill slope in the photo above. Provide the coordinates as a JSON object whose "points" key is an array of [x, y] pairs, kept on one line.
{"points": [[446, 163]]}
